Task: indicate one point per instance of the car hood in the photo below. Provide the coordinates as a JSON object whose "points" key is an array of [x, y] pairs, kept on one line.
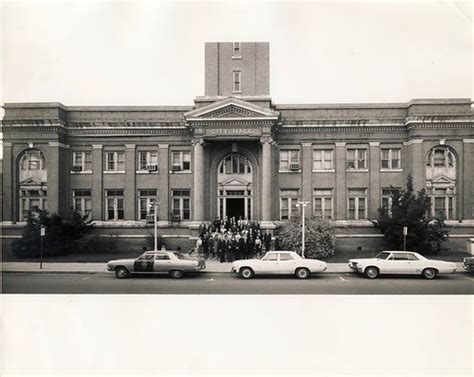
{"points": [[363, 260], [245, 261], [117, 261]]}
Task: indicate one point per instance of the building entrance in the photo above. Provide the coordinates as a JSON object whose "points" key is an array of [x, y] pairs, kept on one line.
{"points": [[235, 187], [235, 208]]}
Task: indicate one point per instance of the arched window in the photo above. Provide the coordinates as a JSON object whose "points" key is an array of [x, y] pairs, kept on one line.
{"points": [[235, 164], [32, 159], [441, 157]]}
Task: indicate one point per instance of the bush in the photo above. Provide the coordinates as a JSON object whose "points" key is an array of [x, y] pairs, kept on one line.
{"points": [[320, 237], [426, 234], [61, 235]]}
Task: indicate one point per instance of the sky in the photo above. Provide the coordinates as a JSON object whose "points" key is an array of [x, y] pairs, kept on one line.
{"points": [[152, 53]]}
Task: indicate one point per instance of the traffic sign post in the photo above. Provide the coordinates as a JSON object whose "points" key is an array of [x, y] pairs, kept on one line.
{"points": [[42, 234], [405, 233]]}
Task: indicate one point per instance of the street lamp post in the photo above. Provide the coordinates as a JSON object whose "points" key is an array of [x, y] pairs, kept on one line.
{"points": [[154, 204], [303, 205]]}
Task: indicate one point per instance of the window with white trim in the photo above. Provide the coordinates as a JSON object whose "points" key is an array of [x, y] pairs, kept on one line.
{"points": [[82, 161], [181, 161], [391, 158], [31, 199], [236, 50], [357, 204], [443, 203], [82, 202], [290, 160], [288, 201], [356, 159], [323, 159], [115, 161], [147, 160], [114, 205], [236, 81], [387, 197], [146, 200], [322, 203], [181, 204]]}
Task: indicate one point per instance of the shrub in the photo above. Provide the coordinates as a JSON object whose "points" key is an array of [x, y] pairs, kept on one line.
{"points": [[320, 237], [426, 234], [61, 235]]}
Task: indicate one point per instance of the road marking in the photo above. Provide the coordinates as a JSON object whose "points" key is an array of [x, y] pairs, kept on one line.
{"points": [[211, 279], [340, 277]]}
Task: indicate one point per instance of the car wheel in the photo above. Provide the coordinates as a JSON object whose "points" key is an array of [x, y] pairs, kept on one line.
{"points": [[302, 273], [246, 273], [121, 272], [429, 273], [176, 274], [371, 272]]}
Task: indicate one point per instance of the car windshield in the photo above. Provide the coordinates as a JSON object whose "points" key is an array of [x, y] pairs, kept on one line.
{"points": [[382, 255], [180, 256]]}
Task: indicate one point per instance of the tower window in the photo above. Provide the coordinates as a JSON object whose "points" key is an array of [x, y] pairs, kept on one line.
{"points": [[236, 50], [237, 82]]}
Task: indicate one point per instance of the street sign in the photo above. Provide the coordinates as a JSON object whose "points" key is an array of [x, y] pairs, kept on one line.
{"points": [[42, 231], [405, 230]]}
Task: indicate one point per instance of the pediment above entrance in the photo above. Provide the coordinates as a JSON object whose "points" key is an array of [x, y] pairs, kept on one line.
{"points": [[234, 182], [231, 108], [442, 180]]}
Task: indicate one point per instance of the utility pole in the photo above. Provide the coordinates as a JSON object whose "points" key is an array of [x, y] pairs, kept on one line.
{"points": [[303, 205]]}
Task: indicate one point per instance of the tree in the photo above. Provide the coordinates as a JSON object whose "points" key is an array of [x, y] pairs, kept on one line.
{"points": [[320, 237], [60, 235], [425, 233]]}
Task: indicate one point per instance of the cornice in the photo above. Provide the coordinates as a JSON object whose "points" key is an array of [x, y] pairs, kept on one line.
{"points": [[181, 131], [341, 128]]}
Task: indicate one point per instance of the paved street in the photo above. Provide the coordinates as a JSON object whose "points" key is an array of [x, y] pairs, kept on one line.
{"points": [[225, 283]]}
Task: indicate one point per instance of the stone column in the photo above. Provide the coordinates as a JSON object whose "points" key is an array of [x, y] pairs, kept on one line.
{"points": [[58, 181], [163, 184], [340, 197], [97, 185], [8, 184], [130, 182], [307, 169], [266, 178], [374, 185], [417, 163], [198, 180]]}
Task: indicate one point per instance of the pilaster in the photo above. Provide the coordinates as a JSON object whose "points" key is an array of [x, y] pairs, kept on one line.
{"points": [[266, 179], [8, 184], [340, 194], [97, 182], [307, 170], [374, 185], [163, 183], [198, 180], [467, 209], [130, 182]]}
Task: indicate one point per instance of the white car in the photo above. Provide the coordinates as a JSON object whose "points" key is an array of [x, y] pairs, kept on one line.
{"points": [[278, 262], [401, 262]]}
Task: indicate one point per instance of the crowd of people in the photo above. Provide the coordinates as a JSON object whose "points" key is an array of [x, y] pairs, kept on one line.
{"points": [[231, 239]]}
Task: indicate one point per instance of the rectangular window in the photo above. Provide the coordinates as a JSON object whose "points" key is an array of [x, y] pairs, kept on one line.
{"points": [[82, 201], [181, 204], [146, 200], [236, 81], [439, 157], [391, 158], [114, 206], [147, 161], [443, 203], [288, 201], [356, 159], [181, 161], [115, 161], [323, 203], [290, 160], [323, 159], [236, 50], [386, 197], [81, 161], [357, 204]]}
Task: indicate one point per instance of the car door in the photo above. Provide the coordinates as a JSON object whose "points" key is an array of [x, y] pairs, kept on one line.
{"points": [[269, 264], [144, 263], [162, 262], [397, 263], [416, 265], [286, 263]]}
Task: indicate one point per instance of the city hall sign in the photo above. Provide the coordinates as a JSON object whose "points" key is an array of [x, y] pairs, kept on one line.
{"points": [[231, 118]]}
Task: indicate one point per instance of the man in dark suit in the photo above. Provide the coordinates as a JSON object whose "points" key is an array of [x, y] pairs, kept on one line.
{"points": [[267, 240]]}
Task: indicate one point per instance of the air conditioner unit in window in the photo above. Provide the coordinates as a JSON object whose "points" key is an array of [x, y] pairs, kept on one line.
{"points": [[76, 168], [294, 166], [151, 168], [150, 218], [176, 168]]}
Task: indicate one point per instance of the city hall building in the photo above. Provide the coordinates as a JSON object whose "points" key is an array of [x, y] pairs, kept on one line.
{"points": [[236, 153]]}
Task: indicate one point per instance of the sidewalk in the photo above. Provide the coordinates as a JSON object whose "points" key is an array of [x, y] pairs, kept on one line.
{"points": [[211, 266]]}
